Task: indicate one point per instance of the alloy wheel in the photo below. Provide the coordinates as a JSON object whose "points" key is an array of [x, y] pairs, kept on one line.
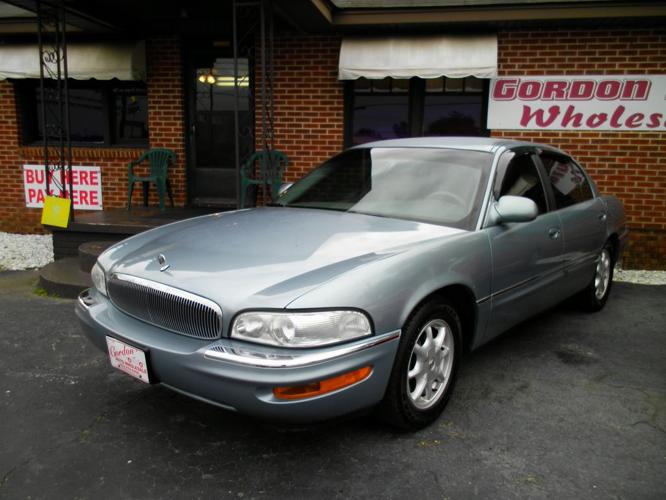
{"points": [[602, 276], [430, 364]]}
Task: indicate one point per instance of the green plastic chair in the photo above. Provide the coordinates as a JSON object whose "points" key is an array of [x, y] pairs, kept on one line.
{"points": [[159, 160], [263, 167]]}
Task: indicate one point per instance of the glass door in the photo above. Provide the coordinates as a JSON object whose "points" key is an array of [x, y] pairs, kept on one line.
{"points": [[212, 169]]}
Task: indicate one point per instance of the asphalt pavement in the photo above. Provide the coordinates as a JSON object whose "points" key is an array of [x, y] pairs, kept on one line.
{"points": [[567, 405]]}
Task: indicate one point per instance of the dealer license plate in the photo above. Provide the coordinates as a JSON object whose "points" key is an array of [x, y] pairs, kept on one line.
{"points": [[128, 359]]}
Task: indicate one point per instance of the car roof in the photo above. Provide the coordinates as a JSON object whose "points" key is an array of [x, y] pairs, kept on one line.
{"points": [[488, 144]]}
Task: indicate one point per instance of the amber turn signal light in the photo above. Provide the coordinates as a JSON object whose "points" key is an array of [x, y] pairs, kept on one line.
{"points": [[324, 386]]}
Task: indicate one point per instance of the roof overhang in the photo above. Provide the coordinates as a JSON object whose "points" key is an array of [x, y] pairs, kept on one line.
{"points": [[486, 13], [22, 18]]}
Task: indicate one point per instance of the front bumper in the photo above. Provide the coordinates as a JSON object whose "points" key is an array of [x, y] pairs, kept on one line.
{"points": [[240, 376]]}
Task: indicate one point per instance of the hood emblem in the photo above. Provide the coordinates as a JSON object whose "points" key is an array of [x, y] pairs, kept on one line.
{"points": [[161, 259]]}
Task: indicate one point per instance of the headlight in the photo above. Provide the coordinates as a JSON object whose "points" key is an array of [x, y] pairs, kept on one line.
{"points": [[98, 278], [301, 329]]}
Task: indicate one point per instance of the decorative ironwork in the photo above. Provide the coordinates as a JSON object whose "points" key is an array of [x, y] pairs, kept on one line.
{"points": [[253, 37], [54, 98]]}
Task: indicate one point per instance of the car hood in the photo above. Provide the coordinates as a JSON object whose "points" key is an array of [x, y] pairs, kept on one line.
{"points": [[265, 257]]}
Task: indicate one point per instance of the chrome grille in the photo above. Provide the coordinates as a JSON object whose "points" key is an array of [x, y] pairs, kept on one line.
{"points": [[167, 307]]}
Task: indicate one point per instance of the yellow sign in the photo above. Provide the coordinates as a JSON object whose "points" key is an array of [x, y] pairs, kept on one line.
{"points": [[56, 211]]}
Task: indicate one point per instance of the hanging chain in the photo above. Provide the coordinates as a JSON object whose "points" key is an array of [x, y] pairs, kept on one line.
{"points": [[54, 98], [254, 38]]}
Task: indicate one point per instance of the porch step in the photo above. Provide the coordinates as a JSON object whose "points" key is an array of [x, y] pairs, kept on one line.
{"points": [[76, 248], [217, 203], [67, 243], [64, 278], [114, 225], [88, 253]]}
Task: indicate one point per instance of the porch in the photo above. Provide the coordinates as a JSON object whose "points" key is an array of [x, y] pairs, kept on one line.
{"points": [[77, 247], [95, 87], [115, 224]]}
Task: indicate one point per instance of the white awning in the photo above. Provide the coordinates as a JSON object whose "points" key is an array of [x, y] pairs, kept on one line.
{"points": [[425, 57], [103, 61]]}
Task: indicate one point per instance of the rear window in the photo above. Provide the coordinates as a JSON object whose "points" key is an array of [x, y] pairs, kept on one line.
{"points": [[570, 186]]}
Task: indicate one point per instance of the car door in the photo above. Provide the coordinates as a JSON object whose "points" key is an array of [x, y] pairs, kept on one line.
{"points": [[582, 214], [527, 256]]}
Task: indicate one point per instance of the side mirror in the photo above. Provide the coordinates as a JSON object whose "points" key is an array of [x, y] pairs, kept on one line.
{"points": [[515, 209], [283, 188]]}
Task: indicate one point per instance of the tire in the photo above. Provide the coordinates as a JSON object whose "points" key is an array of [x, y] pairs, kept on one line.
{"points": [[437, 324], [593, 298]]}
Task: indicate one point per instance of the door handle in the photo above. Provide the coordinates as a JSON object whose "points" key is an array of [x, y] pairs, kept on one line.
{"points": [[554, 233], [602, 216]]}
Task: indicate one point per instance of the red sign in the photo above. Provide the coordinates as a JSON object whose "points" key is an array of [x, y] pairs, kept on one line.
{"points": [[128, 359], [86, 184], [625, 102]]}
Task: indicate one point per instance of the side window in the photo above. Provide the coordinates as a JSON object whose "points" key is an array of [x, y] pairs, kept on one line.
{"points": [[570, 186], [522, 179]]}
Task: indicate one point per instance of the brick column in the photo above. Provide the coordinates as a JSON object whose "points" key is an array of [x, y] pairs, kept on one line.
{"points": [[166, 106], [15, 217]]}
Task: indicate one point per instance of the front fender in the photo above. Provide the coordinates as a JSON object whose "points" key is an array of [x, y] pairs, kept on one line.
{"points": [[389, 289]]}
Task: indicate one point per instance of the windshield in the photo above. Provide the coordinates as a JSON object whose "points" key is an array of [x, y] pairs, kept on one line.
{"points": [[440, 186]]}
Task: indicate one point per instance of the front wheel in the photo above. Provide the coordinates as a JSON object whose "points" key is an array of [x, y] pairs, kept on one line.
{"points": [[425, 368], [596, 294]]}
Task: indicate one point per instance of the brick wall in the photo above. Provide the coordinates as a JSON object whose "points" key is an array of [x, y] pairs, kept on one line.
{"points": [[166, 128], [308, 101], [166, 113], [15, 217], [309, 109], [630, 165]]}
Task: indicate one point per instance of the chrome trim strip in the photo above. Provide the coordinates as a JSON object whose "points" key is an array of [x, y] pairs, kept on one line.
{"points": [[86, 300], [520, 284], [527, 281], [582, 260], [248, 357]]}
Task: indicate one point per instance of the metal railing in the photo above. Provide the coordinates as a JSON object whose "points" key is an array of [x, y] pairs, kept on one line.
{"points": [[54, 97]]}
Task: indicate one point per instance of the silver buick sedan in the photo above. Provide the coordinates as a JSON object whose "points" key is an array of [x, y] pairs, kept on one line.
{"points": [[363, 285]]}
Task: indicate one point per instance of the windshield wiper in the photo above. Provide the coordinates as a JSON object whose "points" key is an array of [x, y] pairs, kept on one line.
{"points": [[314, 207]]}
